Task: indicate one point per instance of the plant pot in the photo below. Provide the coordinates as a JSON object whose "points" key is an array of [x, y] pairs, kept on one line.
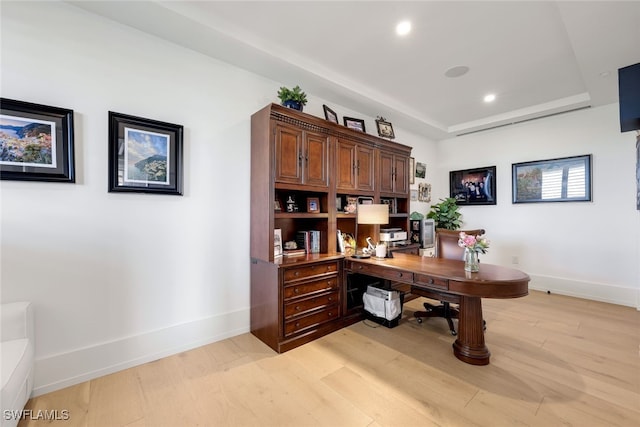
{"points": [[293, 104]]}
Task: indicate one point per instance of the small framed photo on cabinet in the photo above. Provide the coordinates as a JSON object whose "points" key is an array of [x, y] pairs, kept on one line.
{"points": [[355, 124], [385, 129], [313, 204], [330, 115]]}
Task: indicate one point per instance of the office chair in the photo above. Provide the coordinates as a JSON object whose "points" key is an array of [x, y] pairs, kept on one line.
{"points": [[446, 247]]}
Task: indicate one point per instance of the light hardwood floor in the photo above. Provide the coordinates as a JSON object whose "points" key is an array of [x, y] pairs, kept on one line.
{"points": [[556, 361]]}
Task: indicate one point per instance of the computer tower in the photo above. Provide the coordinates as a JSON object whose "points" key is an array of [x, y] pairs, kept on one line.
{"points": [[423, 231]]}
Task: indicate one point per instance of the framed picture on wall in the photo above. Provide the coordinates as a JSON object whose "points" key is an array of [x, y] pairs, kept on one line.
{"points": [[412, 170], [424, 192], [473, 186], [36, 142], [145, 156], [566, 179]]}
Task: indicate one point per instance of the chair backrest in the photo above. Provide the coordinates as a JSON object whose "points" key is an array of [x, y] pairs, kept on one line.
{"points": [[447, 242]]}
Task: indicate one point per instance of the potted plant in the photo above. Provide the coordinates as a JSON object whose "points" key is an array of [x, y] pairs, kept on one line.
{"points": [[446, 214], [293, 98]]}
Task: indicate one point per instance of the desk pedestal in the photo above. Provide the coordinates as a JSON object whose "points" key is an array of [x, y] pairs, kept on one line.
{"points": [[470, 347]]}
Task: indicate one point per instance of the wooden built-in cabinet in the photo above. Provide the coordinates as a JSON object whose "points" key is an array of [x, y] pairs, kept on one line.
{"points": [[295, 155]]}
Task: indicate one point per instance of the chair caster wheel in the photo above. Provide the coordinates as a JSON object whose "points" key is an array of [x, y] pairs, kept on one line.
{"points": [[454, 333], [419, 319]]}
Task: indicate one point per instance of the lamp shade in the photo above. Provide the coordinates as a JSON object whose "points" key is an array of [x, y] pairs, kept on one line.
{"points": [[373, 214]]}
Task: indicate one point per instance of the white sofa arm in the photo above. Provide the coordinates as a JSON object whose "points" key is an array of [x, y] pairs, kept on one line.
{"points": [[17, 321]]}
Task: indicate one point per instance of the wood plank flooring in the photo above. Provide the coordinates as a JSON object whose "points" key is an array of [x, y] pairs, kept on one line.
{"points": [[556, 361]]}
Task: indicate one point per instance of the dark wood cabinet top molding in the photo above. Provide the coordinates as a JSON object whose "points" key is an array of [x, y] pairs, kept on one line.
{"points": [[316, 124]]}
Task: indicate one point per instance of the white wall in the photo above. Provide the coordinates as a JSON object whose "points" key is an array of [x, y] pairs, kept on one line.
{"points": [[120, 279], [585, 249]]}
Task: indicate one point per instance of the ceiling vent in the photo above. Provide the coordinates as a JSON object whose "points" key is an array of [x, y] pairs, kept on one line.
{"points": [[524, 120]]}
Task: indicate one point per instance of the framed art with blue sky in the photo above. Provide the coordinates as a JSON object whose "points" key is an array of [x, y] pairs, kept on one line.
{"points": [[36, 142], [145, 156]]}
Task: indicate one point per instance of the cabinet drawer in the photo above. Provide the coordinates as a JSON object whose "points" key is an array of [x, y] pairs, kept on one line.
{"points": [[382, 272], [433, 282], [307, 305], [291, 274], [312, 320], [307, 288]]}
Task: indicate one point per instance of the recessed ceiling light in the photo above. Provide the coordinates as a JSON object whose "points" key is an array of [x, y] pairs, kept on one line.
{"points": [[457, 71], [403, 28], [489, 98]]}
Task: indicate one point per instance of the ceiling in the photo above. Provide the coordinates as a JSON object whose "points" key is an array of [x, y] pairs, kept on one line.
{"points": [[539, 58]]}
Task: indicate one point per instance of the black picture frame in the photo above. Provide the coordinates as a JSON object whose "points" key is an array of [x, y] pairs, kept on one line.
{"points": [[329, 114], [355, 124], [473, 186], [385, 128], [36, 142], [145, 156], [412, 170], [568, 178]]}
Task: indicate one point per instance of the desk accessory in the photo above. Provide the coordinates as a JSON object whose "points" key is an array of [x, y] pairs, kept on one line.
{"points": [[373, 215]]}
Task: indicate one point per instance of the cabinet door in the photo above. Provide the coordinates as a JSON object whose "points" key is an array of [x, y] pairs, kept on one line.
{"points": [[401, 175], [288, 154], [394, 176], [345, 165], [364, 168], [386, 172], [316, 160]]}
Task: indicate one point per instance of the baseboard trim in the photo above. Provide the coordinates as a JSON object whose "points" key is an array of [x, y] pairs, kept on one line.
{"points": [[612, 294], [67, 369]]}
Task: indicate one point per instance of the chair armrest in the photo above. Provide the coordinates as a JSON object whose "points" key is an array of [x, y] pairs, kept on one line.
{"points": [[17, 321]]}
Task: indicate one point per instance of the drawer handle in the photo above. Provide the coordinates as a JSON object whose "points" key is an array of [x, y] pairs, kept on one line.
{"points": [[296, 290], [430, 281], [297, 273], [297, 307], [330, 314], [330, 298], [297, 324], [400, 274]]}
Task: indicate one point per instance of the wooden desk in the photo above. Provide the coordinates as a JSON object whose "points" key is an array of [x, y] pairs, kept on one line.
{"points": [[437, 277]]}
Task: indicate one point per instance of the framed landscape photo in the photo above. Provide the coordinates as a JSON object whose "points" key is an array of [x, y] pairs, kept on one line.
{"points": [[385, 129], [145, 156], [329, 114], [566, 179], [355, 124], [473, 186], [36, 142]]}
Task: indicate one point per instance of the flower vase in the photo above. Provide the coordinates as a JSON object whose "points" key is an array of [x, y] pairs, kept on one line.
{"points": [[471, 260]]}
